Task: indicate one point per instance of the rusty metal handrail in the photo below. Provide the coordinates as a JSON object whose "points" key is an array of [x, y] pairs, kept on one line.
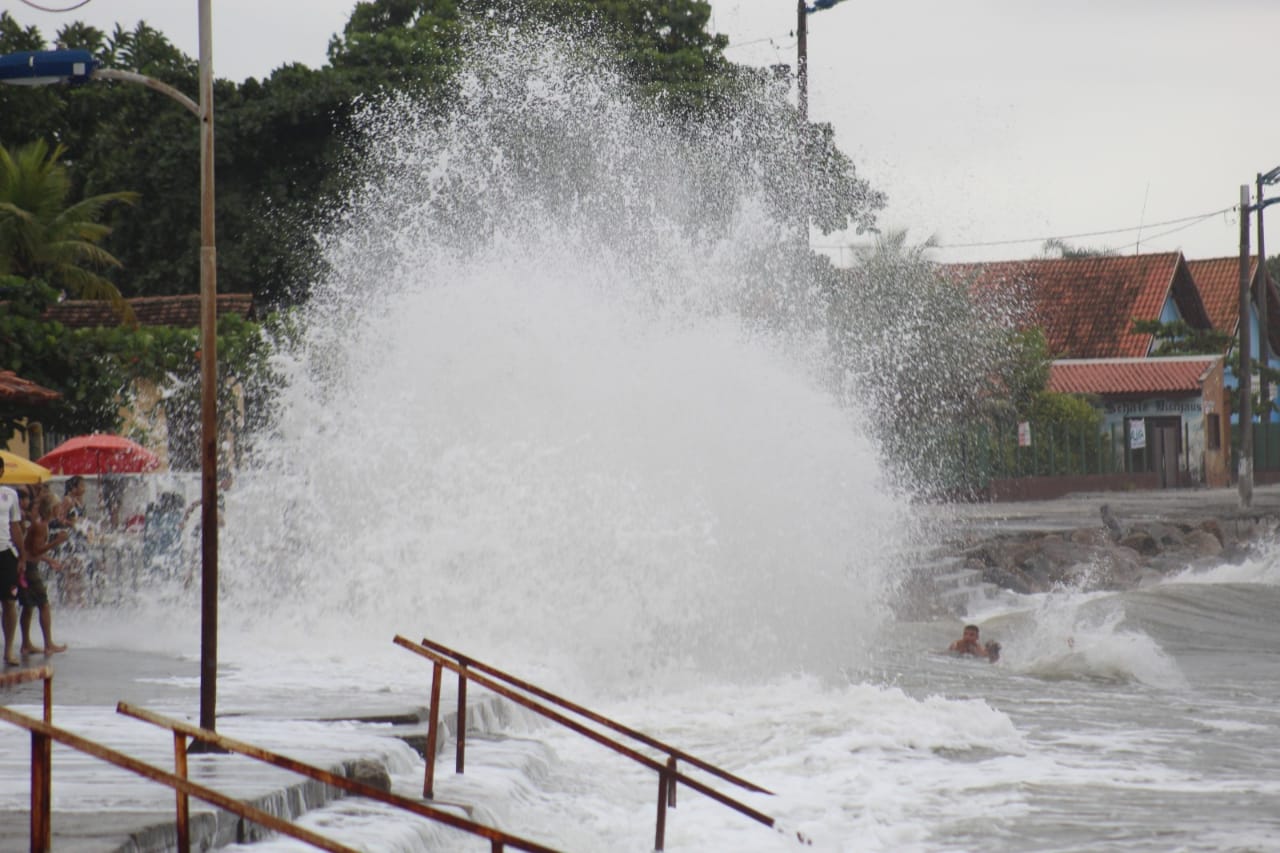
{"points": [[10, 679], [671, 751], [668, 775], [44, 734], [497, 837]]}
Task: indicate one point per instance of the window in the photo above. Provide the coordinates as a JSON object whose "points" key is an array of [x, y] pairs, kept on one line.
{"points": [[1213, 424]]}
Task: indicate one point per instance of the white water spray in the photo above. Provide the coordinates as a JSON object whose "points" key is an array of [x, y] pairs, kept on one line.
{"points": [[557, 401]]}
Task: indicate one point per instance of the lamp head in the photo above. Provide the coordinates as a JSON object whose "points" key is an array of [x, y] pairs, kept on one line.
{"points": [[44, 67]]}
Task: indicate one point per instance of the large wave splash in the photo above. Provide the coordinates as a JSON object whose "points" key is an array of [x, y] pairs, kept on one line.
{"points": [[559, 398]]}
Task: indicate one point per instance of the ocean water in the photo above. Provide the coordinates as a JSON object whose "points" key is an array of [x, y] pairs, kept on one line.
{"points": [[1134, 721], [562, 402]]}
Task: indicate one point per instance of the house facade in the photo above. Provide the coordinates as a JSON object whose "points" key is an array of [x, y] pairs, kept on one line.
{"points": [[1172, 414], [1168, 417]]}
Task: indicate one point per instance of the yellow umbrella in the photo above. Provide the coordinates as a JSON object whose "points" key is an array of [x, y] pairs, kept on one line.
{"points": [[18, 470]]}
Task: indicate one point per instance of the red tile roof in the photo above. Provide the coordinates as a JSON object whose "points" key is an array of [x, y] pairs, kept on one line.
{"points": [[15, 389], [1086, 306], [183, 310], [1177, 375], [1218, 280]]}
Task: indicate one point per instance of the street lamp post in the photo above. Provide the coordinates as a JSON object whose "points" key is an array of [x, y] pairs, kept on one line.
{"points": [[44, 67], [208, 389]]}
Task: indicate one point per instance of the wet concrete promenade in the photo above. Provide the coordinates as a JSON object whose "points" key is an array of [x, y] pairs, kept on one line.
{"points": [[1084, 509], [97, 807]]}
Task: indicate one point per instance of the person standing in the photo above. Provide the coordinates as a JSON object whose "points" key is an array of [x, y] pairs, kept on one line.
{"points": [[71, 509], [76, 568], [36, 597], [11, 559]]}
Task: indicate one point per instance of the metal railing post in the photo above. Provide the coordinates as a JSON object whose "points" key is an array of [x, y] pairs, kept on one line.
{"points": [[664, 771], [183, 815], [41, 792], [671, 790], [460, 752], [660, 833], [433, 732], [433, 651]]}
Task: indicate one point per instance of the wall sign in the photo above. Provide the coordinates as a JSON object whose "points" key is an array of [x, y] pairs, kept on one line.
{"points": [[1137, 434]]}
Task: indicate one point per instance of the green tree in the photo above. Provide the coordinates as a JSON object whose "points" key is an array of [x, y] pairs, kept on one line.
{"points": [[414, 44], [97, 370], [1179, 338], [43, 233], [282, 143], [915, 348]]}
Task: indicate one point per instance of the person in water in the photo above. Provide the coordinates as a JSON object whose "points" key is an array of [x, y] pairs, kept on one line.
{"points": [[969, 644]]}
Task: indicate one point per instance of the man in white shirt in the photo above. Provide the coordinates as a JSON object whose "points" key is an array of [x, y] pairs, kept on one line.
{"points": [[10, 561]]}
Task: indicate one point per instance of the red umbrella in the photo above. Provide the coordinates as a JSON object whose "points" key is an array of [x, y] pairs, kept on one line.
{"points": [[99, 454]]}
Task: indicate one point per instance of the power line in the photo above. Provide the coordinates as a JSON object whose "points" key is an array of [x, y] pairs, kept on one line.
{"points": [[71, 8], [745, 43], [1199, 217], [1191, 224], [1182, 224]]}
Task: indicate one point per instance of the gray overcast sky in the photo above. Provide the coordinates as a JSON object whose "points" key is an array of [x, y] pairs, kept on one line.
{"points": [[983, 120]]}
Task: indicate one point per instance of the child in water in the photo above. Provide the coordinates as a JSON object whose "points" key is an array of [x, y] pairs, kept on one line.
{"points": [[970, 645]]}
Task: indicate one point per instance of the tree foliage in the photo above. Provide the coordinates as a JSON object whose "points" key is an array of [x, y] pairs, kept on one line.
{"points": [[1062, 249], [282, 148], [281, 142], [918, 352], [940, 370], [1180, 338], [97, 370], [46, 235]]}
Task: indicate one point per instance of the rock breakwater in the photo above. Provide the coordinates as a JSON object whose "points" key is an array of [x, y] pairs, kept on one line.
{"points": [[1114, 553]]}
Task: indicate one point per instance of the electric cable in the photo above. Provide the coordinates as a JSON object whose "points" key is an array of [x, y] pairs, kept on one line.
{"points": [[1176, 230], [1182, 224], [1199, 217], [71, 8], [746, 43]]}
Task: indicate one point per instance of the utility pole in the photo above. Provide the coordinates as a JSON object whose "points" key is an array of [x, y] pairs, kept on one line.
{"points": [[1264, 334], [802, 60], [1244, 475]]}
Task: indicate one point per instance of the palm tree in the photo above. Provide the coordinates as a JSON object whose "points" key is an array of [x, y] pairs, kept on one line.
{"points": [[44, 236]]}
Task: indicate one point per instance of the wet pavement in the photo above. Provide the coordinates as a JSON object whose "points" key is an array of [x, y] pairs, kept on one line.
{"points": [[98, 807], [1129, 507]]}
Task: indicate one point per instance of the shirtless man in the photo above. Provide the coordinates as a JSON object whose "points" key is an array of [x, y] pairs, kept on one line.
{"points": [[36, 597], [970, 645], [10, 563]]}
